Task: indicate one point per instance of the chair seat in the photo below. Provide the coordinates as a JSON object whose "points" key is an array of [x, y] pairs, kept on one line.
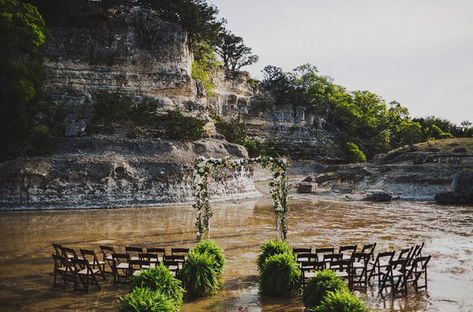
{"points": [[85, 271], [65, 269], [310, 274], [123, 265], [99, 263], [358, 265], [109, 258], [341, 274], [397, 273]]}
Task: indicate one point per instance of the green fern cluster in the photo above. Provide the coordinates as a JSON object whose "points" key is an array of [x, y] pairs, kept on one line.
{"points": [[272, 248], [153, 290], [326, 292], [203, 270]]}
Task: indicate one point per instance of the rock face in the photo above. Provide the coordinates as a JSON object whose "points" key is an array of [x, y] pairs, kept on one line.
{"points": [[462, 190], [463, 182], [379, 196], [131, 52], [401, 175], [103, 171]]}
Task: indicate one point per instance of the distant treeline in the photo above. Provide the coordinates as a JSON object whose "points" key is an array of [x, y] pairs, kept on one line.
{"points": [[362, 117]]}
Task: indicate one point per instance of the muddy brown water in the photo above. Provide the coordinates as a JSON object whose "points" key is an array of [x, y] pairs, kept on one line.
{"points": [[240, 228]]}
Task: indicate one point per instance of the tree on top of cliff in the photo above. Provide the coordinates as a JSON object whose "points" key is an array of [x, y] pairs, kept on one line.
{"points": [[22, 119], [197, 17], [234, 53]]}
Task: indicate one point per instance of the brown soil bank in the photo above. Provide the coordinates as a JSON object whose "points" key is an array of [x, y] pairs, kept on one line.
{"points": [[417, 173]]}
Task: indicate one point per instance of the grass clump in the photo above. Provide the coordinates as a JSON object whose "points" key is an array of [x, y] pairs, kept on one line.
{"points": [[142, 299], [200, 274], [160, 279], [319, 286], [340, 301], [211, 248], [272, 248], [280, 276]]}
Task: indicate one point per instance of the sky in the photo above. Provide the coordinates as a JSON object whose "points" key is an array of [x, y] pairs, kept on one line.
{"points": [[417, 52]]}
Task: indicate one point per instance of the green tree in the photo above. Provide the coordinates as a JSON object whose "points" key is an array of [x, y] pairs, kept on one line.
{"points": [[23, 33], [234, 53]]}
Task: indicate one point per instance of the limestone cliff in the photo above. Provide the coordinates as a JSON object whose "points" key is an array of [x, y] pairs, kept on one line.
{"points": [[131, 52], [110, 171]]}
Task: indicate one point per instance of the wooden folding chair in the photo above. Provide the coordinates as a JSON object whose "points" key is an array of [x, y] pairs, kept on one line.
{"points": [[328, 258], [342, 268], [405, 253], [309, 269], [321, 252], [87, 275], [64, 269], [369, 248], [107, 252], [416, 271], [121, 267], [174, 263], [394, 277], [137, 266], [57, 249], [133, 251], [180, 252], [347, 251], [69, 253], [150, 258], [160, 251], [93, 260], [301, 250], [359, 270], [380, 264], [304, 257]]}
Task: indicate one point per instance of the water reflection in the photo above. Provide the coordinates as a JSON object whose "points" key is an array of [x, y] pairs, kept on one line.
{"points": [[239, 227]]}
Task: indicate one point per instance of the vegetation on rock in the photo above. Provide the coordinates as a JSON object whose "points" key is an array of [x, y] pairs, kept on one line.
{"points": [[354, 154], [26, 123]]}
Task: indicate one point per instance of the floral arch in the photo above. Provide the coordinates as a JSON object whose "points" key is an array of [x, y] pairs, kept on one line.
{"points": [[278, 188]]}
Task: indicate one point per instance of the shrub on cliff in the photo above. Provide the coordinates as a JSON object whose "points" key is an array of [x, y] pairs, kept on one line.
{"points": [[177, 126], [280, 276], [354, 153], [234, 130], [144, 299], [319, 286], [160, 279], [271, 248], [200, 274], [340, 301]]}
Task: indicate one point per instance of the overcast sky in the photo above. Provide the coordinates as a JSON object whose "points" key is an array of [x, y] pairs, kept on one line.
{"points": [[418, 52]]}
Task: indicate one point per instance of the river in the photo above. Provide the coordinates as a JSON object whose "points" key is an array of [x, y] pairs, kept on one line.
{"points": [[239, 227]]}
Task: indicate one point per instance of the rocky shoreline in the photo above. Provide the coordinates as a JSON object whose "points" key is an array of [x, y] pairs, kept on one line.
{"points": [[103, 171]]}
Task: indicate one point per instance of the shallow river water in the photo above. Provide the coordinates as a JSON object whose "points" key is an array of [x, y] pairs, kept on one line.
{"points": [[240, 228]]}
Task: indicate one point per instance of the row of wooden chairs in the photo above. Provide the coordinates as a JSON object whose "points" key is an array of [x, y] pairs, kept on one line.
{"points": [[85, 266], [358, 268]]}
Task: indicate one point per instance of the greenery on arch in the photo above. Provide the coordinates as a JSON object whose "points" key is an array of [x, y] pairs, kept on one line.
{"points": [[278, 188]]}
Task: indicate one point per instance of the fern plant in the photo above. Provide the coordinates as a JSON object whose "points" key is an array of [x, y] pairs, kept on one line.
{"points": [[271, 248], [214, 250], [280, 276], [317, 287], [160, 279], [143, 299], [200, 275], [340, 301]]}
